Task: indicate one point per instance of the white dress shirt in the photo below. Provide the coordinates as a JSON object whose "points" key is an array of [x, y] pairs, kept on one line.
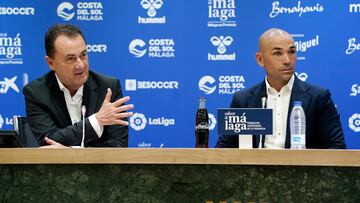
{"points": [[73, 105], [279, 102]]}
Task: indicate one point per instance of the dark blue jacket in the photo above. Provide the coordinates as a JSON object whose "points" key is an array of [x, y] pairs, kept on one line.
{"points": [[323, 127]]}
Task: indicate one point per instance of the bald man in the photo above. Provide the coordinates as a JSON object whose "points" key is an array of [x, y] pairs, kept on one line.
{"points": [[277, 55]]}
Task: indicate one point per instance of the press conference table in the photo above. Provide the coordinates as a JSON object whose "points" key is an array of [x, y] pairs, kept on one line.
{"points": [[179, 175]]}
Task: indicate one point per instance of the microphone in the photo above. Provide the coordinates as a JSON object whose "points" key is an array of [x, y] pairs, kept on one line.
{"points": [[263, 105], [83, 111], [263, 101]]}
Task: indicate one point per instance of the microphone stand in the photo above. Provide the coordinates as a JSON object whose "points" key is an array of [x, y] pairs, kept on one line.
{"points": [[263, 105], [83, 111]]}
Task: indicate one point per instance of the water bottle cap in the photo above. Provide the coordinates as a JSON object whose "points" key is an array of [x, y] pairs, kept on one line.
{"points": [[202, 103], [297, 103]]}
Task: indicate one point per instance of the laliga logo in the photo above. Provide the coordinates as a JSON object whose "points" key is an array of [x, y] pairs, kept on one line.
{"points": [[133, 48], [1, 121], [7, 83], [221, 43], [212, 121], [203, 84], [151, 6], [354, 122], [302, 76], [66, 16], [138, 121]]}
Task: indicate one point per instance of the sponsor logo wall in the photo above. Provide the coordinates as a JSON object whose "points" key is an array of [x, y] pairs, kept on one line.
{"points": [[167, 54]]}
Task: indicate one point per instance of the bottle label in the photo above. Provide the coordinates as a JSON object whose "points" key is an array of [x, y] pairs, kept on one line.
{"points": [[202, 126], [298, 139]]}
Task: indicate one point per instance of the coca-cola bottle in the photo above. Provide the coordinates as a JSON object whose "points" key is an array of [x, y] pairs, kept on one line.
{"points": [[202, 125]]}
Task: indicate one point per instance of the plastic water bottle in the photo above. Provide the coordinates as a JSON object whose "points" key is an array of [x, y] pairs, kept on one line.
{"points": [[297, 126], [202, 125]]}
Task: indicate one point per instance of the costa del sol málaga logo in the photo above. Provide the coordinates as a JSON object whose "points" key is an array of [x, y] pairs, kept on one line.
{"points": [[151, 6], [135, 48], [138, 121], [64, 10], [205, 84]]}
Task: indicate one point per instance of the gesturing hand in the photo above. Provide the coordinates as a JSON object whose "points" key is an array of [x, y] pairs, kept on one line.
{"points": [[112, 113]]}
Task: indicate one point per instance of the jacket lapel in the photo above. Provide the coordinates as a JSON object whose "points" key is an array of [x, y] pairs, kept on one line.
{"points": [[257, 93], [90, 96], [59, 100]]}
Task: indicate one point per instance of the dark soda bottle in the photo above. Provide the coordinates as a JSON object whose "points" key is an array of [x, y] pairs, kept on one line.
{"points": [[202, 125]]}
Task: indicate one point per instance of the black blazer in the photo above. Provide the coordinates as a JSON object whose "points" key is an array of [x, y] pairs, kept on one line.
{"points": [[48, 115], [323, 127]]}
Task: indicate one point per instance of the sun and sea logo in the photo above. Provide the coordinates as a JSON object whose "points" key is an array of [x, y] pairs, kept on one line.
{"points": [[227, 84], [65, 11], [206, 84], [155, 48], [136, 47], [83, 11], [302, 76]]}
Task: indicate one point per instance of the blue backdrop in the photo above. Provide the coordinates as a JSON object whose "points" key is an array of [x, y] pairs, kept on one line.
{"points": [[167, 54]]}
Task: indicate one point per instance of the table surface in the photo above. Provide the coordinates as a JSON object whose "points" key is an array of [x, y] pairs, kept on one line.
{"points": [[180, 156]]}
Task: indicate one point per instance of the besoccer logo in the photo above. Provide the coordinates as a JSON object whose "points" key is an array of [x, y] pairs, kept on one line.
{"points": [[130, 84], [354, 122], [135, 48], [221, 43], [151, 6], [64, 11], [212, 121], [138, 121], [1, 121], [206, 84]]}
